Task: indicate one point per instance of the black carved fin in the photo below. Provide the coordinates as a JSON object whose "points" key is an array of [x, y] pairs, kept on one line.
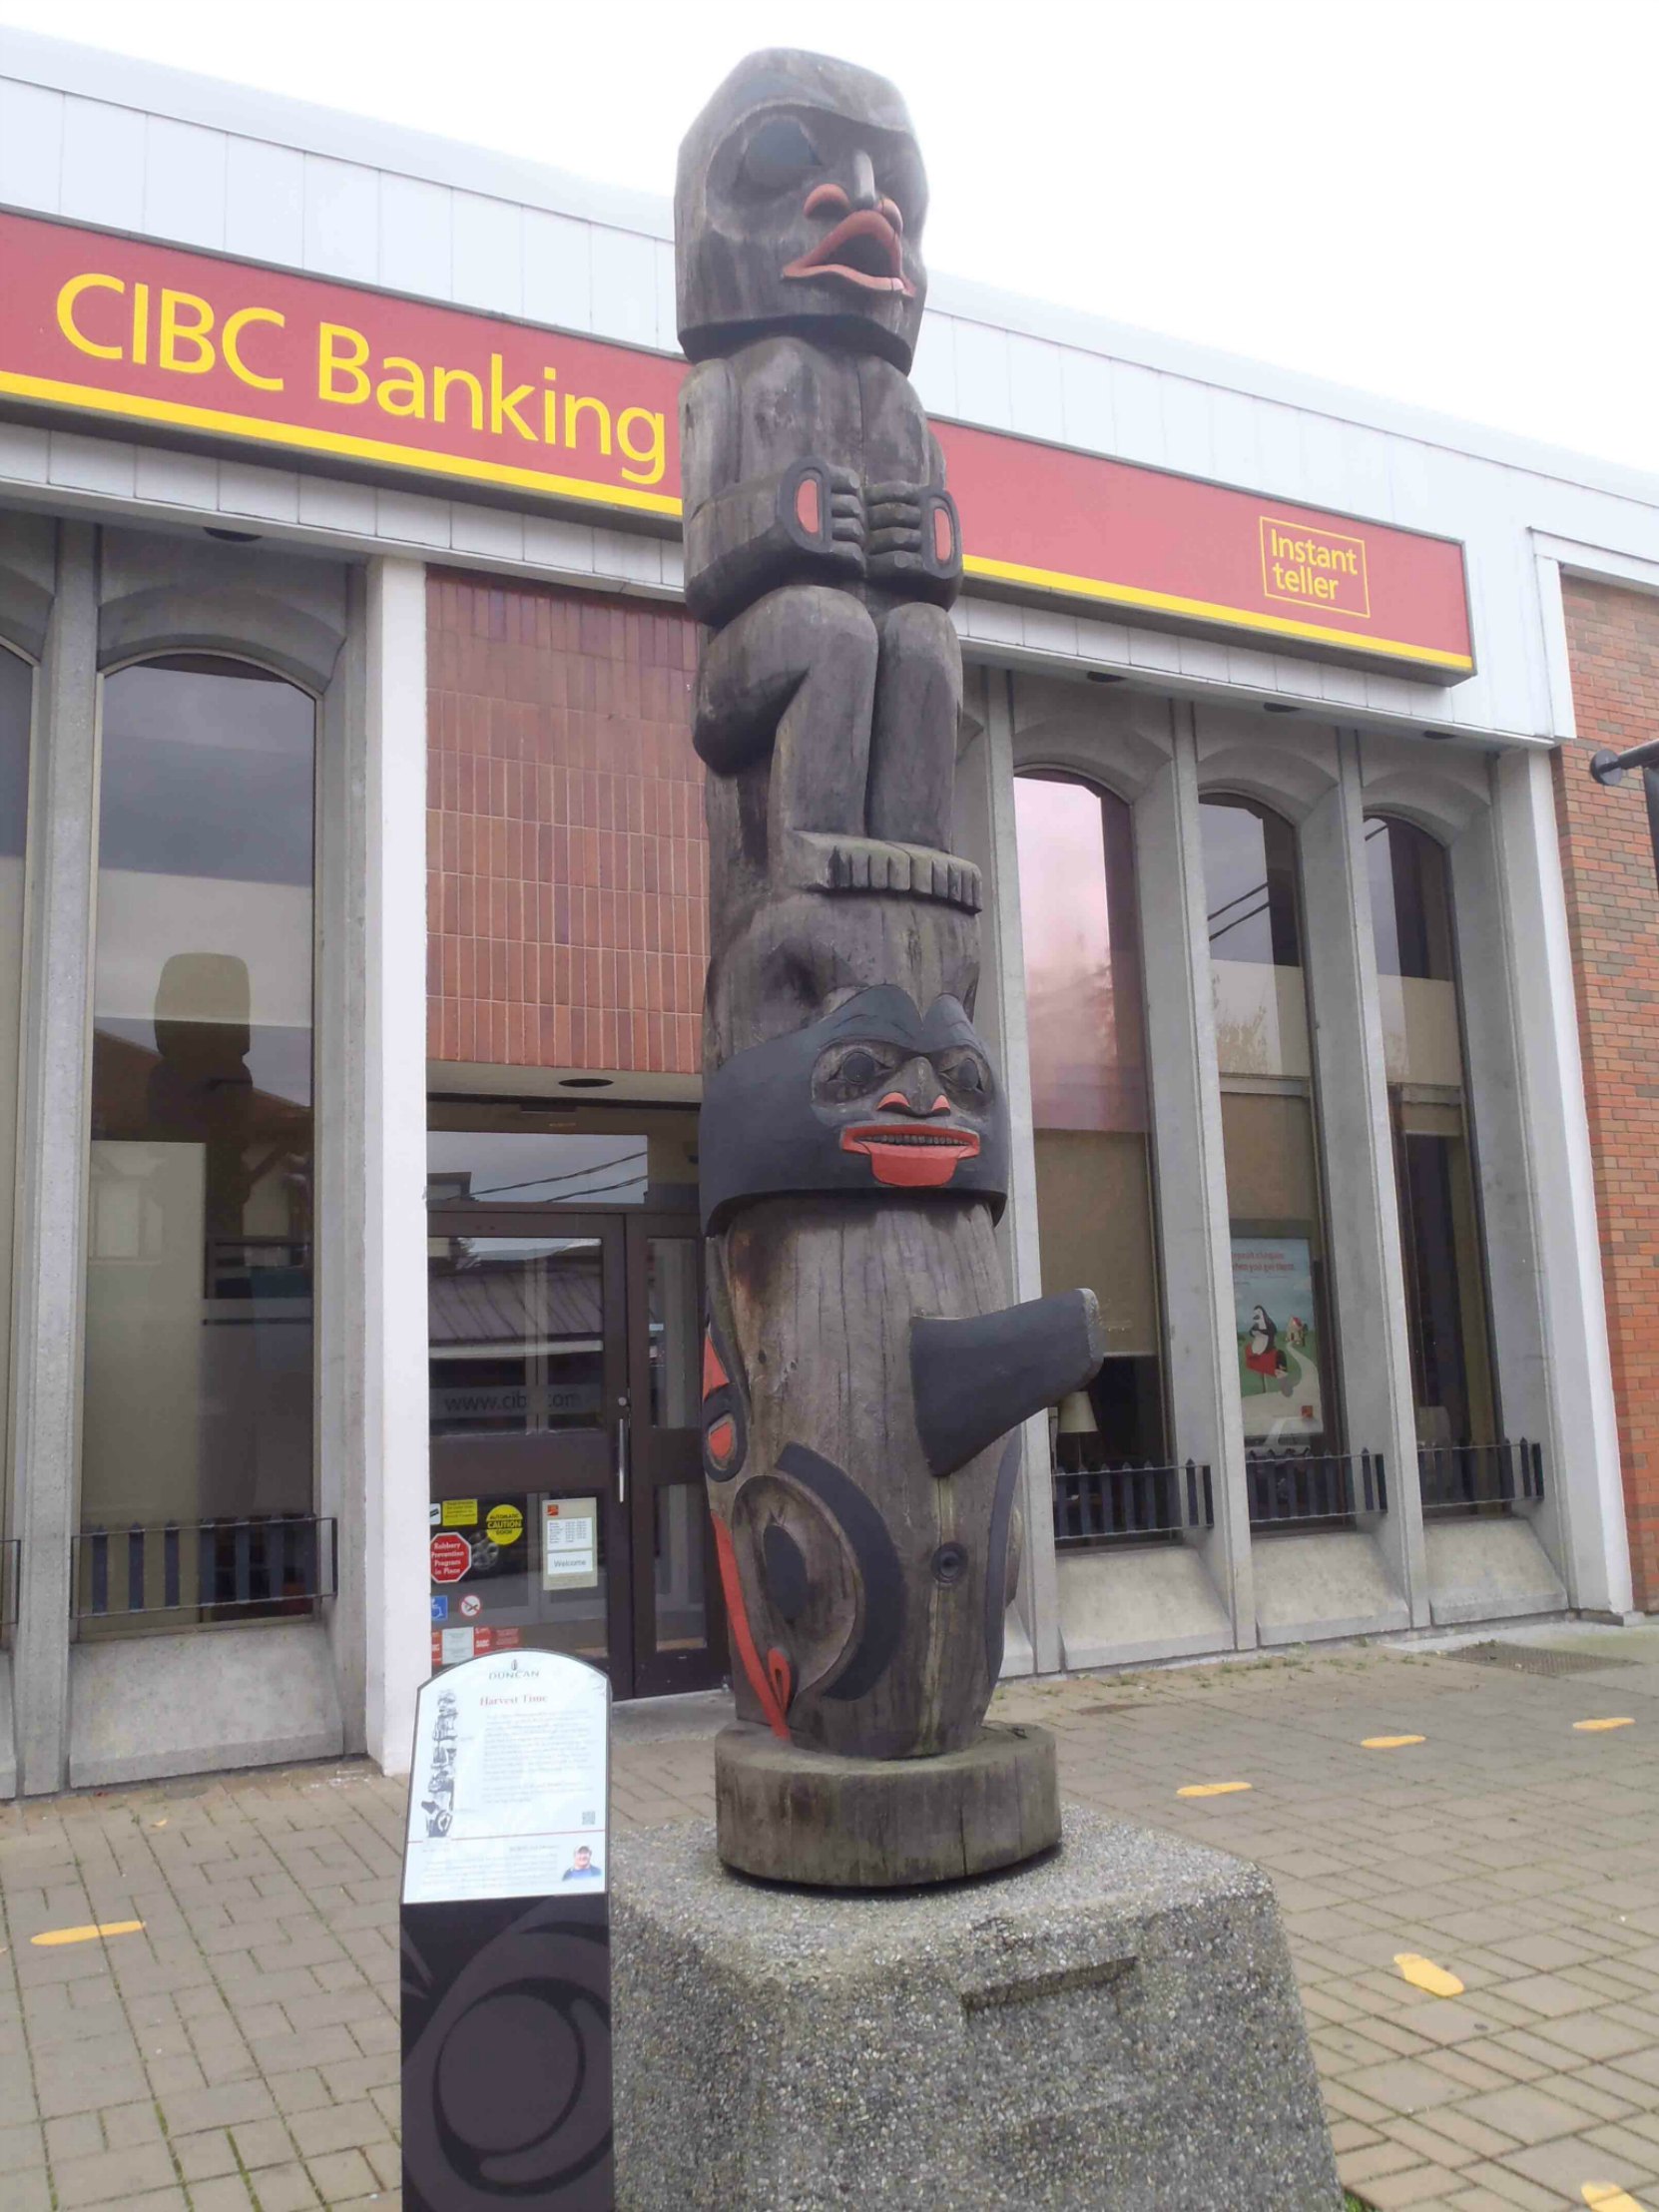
{"points": [[976, 1378]]}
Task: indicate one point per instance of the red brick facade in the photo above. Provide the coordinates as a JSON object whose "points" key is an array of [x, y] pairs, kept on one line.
{"points": [[1613, 916], [567, 866]]}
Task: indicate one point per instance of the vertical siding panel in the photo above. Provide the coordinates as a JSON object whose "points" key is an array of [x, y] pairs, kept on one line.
{"points": [[416, 237], [264, 202], [488, 255], [31, 147], [558, 271], [342, 220], [184, 183], [103, 163]]}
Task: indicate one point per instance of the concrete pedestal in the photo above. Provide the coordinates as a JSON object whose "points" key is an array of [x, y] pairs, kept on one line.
{"points": [[1114, 2027]]}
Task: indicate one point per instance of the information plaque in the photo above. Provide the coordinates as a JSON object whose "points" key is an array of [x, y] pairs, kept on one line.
{"points": [[506, 1996]]}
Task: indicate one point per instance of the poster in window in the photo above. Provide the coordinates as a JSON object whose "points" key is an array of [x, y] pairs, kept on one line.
{"points": [[1280, 1354]]}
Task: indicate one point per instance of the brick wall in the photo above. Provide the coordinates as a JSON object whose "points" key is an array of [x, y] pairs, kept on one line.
{"points": [[1613, 916], [567, 866]]}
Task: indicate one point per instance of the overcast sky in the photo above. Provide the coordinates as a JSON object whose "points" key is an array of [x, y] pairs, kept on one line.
{"points": [[1450, 201]]}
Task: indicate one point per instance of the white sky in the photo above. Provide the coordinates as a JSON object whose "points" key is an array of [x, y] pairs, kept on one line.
{"points": [[1450, 201]]}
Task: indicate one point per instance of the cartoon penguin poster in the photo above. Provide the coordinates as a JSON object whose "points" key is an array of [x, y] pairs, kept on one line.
{"points": [[1279, 1378]]}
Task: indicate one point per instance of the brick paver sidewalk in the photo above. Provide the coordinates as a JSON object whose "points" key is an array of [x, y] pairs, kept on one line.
{"points": [[240, 2049]]}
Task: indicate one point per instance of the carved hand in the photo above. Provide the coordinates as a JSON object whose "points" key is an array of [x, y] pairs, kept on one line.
{"points": [[914, 535], [822, 511]]}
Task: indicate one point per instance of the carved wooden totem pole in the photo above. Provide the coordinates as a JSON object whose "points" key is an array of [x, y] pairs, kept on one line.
{"points": [[864, 1380]]}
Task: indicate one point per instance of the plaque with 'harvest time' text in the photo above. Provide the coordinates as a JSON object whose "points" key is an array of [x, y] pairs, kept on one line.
{"points": [[507, 1996]]}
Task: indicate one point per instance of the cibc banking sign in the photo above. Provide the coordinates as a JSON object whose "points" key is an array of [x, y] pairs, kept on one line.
{"points": [[200, 348]]}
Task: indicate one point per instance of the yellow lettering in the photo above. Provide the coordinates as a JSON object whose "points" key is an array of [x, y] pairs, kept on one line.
{"points": [[650, 461], [504, 404], [140, 324], [404, 395], [67, 298], [342, 351], [173, 331], [550, 410], [443, 378], [573, 416], [232, 341]]}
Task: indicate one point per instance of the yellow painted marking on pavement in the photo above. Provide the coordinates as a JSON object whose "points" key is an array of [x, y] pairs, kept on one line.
{"points": [[1388, 1742], [1211, 1789], [86, 1934], [1423, 1973], [1607, 2196], [1592, 1727]]}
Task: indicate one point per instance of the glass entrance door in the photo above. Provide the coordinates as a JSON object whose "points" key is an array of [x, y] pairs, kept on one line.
{"points": [[567, 1511]]}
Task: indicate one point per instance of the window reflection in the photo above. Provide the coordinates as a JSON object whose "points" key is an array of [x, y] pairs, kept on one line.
{"points": [[199, 1356], [1411, 902], [1090, 1103], [1281, 1308], [16, 686]]}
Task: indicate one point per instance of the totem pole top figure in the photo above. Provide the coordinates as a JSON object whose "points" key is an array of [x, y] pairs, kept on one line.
{"points": [[798, 208]]}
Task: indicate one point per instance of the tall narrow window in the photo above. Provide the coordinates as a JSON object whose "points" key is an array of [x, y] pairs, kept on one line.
{"points": [[1445, 1288], [15, 689], [1089, 1103], [199, 1354], [1280, 1306]]}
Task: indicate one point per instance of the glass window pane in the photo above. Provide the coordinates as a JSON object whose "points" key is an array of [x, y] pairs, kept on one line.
{"points": [[1087, 1029], [16, 686], [681, 1618], [1281, 1308], [198, 1354], [673, 1316], [1446, 1296], [483, 1155], [516, 1335]]}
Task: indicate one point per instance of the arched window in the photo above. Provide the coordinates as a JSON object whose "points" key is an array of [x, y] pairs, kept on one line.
{"points": [[199, 1353], [1287, 1355], [16, 687], [1089, 1103], [1445, 1288]]}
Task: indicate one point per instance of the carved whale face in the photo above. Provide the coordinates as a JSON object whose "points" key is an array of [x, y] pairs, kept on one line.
{"points": [[875, 1096], [798, 207]]}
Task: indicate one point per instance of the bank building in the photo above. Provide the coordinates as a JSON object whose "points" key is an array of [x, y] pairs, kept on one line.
{"points": [[352, 926]]}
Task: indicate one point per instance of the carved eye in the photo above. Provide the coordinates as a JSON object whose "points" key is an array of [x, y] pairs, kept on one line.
{"points": [[964, 1071], [780, 155], [851, 1070]]}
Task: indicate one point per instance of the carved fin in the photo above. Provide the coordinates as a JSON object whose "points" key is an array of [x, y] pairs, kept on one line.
{"points": [[975, 1378]]}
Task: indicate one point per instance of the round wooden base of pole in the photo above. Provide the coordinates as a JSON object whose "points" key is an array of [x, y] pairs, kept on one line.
{"points": [[790, 1815]]}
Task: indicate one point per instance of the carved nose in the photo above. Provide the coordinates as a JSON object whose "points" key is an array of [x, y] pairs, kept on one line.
{"points": [[909, 1102], [865, 194]]}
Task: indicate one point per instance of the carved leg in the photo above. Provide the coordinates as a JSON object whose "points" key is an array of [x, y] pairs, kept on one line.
{"points": [[795, 672], [918, 704]]}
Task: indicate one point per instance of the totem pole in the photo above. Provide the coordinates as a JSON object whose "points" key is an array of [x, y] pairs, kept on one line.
{"points": [[864, 1381]]}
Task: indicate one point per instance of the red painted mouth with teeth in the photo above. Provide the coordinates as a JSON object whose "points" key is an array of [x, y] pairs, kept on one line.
{"points": [[862, 250], [919, 1159]]}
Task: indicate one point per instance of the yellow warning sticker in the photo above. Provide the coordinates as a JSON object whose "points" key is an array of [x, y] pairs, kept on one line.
{"points": [[1423, 1973], [460, 1512], [1607, 2196], [1594, 1727], [87, 1935], [504, 1524], [1388, 1742], [1211, 1789]]}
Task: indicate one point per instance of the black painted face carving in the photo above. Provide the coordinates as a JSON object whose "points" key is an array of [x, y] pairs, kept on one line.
{"points": [[874, 1096], [798, 207]]}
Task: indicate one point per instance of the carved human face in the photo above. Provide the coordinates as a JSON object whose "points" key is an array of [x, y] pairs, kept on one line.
{"points": [[799, 205], [875, 1096]]}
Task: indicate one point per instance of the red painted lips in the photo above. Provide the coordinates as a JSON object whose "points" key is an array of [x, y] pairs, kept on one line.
{"points": [[862, 250], [919, 1159]]}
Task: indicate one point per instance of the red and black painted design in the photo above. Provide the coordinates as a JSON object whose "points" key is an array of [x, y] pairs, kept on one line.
{"points": [[725, 1422]]}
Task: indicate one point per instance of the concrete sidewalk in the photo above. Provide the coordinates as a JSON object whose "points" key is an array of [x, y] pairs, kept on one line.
{"points": [[241, 2048]]}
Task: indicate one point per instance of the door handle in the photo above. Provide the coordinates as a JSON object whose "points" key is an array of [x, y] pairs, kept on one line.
{"points": [[622, 1451]]}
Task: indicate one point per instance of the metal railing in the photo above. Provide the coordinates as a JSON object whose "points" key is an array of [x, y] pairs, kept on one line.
{"points": [[11, 1566], [1288, 1487], [1103, 1505], [275, 1560], [1459, 1478]]}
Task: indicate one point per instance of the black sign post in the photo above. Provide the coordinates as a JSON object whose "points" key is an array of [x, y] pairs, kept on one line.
{"points": [[1610, 767], [506, 1939]]}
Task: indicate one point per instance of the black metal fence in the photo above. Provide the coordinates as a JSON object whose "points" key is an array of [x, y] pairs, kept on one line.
{"points": [[279, 1562], [1460, 1478], [1290, 1487], [1104, 1505]]}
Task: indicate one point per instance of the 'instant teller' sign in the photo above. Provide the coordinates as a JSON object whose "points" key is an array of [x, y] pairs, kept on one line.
{"points": [[506, 1939]]}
